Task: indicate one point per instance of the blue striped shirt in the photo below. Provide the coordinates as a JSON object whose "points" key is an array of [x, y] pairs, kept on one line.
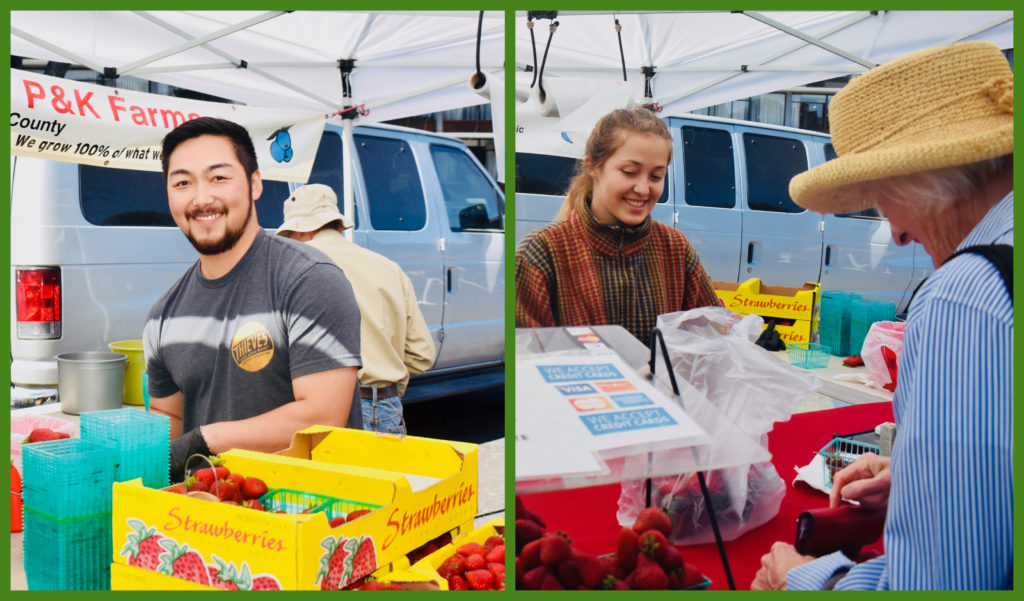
{"points": [[950, 519]]}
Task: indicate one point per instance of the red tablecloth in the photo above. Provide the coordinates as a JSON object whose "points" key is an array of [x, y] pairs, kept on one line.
{"points": [[587, 515]]}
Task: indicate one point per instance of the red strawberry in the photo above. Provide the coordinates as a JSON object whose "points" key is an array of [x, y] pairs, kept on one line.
{"points": [[553, 548], [193, 484], [496, 554], [143, 548], [653, 518], [520, 572], [335, 567], [457, 583], [551, 583], [178, 489], [253, 488], [44, 434], [238, 479], [673, 560], [471, 548], [494, 541], [453, 565], [181, 562], [533, 579], [358, 514], [475, 562], [333, 522], [593, 571], [527, 531], [254, 504], [480, 580], [211, 474], [614, 567], [674, 580], [568, 572], [523, 513], [648, 575], [265, 582], [627, 549], [619, 585], [654, 545], [364, 560], [496, 568], [691, 576], [224, 489], [531, 555]]}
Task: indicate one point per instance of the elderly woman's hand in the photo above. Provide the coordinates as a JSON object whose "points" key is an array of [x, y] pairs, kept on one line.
{"points": [[866, 480], [782, 558]]}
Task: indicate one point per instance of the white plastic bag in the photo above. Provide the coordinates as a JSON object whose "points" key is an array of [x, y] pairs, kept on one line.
{"points": [[882, 333], [712, 349]]}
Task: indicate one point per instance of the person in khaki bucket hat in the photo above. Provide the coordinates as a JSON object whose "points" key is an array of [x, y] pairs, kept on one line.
{"points": [[928, 140], [394, 339]]}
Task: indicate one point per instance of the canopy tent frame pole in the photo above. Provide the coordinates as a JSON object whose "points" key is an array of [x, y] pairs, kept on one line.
{"points": [[348, 144], [763, 67], [233, 61], [808, 38], [57, 49], [977, 30], [199, 41]]}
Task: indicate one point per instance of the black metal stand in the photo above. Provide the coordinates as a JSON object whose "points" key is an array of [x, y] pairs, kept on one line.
{"points": [[658, 343]]}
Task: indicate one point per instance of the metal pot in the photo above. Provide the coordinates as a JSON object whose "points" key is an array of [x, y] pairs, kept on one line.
{"points": [[90, 381]]}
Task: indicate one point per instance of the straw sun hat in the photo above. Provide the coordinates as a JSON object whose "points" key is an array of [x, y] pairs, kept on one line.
{"points": [[931, 109], [311, 207]]}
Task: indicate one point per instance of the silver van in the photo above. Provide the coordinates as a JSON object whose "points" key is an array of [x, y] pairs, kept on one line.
{"points": [[728, 191], [92, 248]]}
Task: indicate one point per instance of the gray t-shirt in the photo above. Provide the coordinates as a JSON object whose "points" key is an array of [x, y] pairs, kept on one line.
{"points": [[234, 344]]}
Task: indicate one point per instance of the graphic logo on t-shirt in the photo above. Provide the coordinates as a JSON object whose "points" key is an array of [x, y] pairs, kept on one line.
{"points": [[252, 346]]}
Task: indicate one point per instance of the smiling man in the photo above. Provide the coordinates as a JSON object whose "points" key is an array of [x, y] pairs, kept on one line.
{"points": [[260, 337]]}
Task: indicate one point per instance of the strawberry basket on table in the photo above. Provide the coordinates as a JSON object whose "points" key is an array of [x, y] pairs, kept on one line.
{"points": [[843, 450]]}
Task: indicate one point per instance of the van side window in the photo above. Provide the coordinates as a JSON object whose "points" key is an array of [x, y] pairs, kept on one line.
{"points": [[869, 213], [543, 173], [328, 169], [127, 197], [708, 168], [393, 189], [771, 162], [470, 199]]}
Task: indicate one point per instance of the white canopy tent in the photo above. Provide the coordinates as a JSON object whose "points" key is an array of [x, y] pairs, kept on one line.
{"points": [[389, 65], [699, 59]]}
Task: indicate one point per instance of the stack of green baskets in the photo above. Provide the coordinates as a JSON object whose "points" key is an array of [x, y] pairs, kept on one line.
{"points": [[863, 313], [834, 321]]}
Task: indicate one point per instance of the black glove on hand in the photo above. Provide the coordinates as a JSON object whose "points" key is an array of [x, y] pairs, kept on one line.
{"points": [[182, 448]]}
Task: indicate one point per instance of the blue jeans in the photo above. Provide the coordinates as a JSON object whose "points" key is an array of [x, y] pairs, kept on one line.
{"points": [[383, 415]]}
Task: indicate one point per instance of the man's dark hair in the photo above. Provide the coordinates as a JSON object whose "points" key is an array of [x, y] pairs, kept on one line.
{"points": [[193, 128]]}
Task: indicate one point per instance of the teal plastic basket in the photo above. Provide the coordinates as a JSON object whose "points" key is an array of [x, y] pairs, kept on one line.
{"points": [[834, 321], [140, 442], [67, 478], [295, 501], [808, 355], [841, 452], [343, 507], [68, 554]]}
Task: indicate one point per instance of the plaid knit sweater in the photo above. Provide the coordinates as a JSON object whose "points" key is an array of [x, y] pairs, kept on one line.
{"points": [[581, 272]]}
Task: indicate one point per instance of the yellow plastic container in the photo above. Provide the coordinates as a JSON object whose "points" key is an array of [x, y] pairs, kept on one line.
{"points": [[133, 369]]}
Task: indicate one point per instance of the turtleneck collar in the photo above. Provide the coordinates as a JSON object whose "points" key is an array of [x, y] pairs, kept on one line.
{"points": [[610, 239]]}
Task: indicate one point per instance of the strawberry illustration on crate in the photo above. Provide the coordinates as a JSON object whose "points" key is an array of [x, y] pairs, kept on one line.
{"points": [[336, 563], [181, 562], [143, 548], [365, 559], [225, 575]]}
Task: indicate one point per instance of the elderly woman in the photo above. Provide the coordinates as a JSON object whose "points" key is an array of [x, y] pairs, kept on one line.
{"points": [[928, 140]]}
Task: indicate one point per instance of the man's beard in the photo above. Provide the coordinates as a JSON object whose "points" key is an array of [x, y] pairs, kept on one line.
{"points": [[226, 242]]}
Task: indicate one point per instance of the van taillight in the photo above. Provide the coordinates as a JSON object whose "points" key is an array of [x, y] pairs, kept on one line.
{"points": [[38, 302]]}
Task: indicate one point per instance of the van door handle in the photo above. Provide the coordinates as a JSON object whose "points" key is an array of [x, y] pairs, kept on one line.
{"points": [[750, 252], [828, 255], [448, 275]]}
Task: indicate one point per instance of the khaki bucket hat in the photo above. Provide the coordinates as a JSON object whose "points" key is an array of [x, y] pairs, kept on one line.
{"points": [[930, 109], [310, 208]]}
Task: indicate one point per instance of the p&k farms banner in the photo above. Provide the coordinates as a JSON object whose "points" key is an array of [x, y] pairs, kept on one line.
{"points": [[66, 120]]}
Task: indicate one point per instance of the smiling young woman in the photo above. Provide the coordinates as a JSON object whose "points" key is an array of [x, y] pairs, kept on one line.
{"points": [[604, 260]]}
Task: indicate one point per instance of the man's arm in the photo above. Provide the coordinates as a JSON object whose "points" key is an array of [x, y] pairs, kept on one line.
{"points": [[420, 352], [322, 398], [171, 406]]}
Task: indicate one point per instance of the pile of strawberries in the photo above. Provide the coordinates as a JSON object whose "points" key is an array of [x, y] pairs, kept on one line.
{"points": [[233, 489], [476, 567], [644, 559]]}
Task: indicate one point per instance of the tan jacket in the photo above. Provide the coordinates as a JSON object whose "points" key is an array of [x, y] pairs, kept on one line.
{"points": [[394, 339]]}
